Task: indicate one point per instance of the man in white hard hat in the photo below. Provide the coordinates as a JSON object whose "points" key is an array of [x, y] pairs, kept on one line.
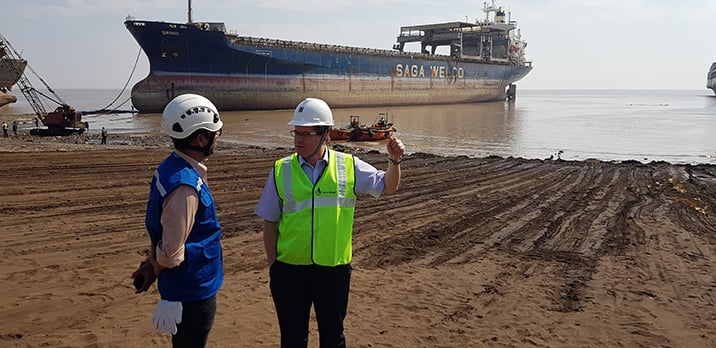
{"points": [[308, 205], [183, 226]]}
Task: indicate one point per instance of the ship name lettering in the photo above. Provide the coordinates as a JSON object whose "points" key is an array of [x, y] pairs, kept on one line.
{"points": [[167, 32], [446, 72], [414, 70], [408, 70], [265, 53]]}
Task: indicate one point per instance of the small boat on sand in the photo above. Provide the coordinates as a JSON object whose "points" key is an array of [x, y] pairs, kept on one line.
{"points": [[355, 131]]}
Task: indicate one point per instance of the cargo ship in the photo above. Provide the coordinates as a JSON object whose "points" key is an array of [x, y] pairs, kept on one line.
{"points": [[457, 62], [711, 78]]}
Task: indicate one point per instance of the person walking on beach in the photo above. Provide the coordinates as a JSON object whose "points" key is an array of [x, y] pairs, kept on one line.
{"points": [[104, 136], [14, 128], [308, 205], [183, 226], [4, 129]]}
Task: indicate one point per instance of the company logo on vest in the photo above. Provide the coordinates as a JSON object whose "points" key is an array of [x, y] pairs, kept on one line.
{"points": [[319, 192]]}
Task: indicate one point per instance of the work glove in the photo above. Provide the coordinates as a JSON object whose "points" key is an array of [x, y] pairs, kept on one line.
{"points": [[166, 317], [143, 277]]}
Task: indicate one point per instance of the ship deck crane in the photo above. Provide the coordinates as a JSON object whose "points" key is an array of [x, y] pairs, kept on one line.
{"points": [[64, 120]]}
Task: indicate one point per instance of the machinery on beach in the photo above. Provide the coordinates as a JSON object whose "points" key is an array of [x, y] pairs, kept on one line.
{"points": [[63, 120], [381, 129]]}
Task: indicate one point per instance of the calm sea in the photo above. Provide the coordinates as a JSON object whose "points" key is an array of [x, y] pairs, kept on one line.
{"points": [[677, 126]]}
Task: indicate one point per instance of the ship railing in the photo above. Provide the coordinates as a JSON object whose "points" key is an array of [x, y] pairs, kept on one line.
{"points": [[318, 47]]}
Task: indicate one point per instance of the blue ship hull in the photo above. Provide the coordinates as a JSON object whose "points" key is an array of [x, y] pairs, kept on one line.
{"points": [[242, 73]]}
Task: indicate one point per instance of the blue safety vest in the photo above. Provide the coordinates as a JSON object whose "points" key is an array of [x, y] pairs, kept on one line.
{"points": [[202, 273]]}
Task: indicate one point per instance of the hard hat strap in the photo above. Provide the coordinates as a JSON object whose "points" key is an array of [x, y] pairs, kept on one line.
{"points": [[318, 147], [206, 150]]}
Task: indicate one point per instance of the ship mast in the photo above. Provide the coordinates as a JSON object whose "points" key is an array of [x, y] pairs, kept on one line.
{"points": [[489, 8], [189, 13]]}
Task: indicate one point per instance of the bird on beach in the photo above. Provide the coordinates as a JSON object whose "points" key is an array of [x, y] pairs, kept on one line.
{"points": [[558, 153]]}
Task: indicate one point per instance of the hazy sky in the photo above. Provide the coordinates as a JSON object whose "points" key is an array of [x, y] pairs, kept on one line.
{"points": [[575, 44]]}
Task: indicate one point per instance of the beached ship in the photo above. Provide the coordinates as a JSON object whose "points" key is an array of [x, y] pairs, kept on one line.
{"points": [[10, 72], [480, 62], [711, 78]]}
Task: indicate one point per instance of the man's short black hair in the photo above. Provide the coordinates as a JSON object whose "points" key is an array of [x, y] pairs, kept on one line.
{"points": [[186, 142], [320, 130]]}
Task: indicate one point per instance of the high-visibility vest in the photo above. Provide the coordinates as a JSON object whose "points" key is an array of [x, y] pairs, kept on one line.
{"points": [[201, 275], [316, 225]]}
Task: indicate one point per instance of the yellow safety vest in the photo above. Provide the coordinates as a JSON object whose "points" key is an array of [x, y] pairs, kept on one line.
{"points": [[316, 225]]}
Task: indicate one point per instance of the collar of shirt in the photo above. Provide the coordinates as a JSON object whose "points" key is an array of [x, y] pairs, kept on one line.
{"points": [[314, 172], [198, 166], [323, 159]]}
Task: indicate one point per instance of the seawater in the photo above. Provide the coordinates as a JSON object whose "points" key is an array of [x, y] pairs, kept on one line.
{"points": [[677, 126]]}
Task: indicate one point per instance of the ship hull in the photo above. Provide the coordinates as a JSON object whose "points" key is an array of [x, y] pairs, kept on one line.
{"points": [[252, 74], [6, 98], [10, 71], [711, 78]]}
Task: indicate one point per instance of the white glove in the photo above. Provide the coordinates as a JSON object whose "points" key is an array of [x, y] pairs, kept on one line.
{"points": [[166, 317]]}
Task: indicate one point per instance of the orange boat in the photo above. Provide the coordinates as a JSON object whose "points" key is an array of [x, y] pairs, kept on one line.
{"points": [[355, 131]]}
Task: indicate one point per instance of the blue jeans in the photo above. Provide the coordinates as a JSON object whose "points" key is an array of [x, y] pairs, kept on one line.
{"points": [[295, 288], [197, 318]]}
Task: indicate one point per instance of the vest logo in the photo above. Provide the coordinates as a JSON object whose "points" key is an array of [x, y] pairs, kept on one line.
{"points": [[199, 183], [319, 192]]}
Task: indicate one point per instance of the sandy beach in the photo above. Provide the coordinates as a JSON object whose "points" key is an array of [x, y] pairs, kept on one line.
{"points": [[471, 252]]}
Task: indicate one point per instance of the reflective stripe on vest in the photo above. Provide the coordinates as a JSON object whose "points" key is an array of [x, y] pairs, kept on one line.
{"points": [[316, 220]]}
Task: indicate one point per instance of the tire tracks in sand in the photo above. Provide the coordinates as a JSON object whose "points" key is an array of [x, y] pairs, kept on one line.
{"points": [[614, 247]]}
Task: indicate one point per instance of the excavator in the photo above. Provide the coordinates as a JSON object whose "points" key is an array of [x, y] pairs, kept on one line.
{"points": [[64, 120]]}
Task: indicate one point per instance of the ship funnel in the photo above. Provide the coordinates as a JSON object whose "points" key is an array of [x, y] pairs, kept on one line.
{"points": [[500, 16]]}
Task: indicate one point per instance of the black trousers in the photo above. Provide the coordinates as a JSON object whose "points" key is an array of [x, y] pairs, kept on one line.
{"points": [[197, 318], [296, 288]]}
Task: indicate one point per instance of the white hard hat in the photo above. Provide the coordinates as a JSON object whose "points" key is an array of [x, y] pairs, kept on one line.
{"points": [[312, 112], [187, 113]]}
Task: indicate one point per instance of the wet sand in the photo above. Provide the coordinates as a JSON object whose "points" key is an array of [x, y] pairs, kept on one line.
{"points": [[498, 252]]}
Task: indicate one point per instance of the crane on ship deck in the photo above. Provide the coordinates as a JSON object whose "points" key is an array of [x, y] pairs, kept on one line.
{"points": [[64, 120]]}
